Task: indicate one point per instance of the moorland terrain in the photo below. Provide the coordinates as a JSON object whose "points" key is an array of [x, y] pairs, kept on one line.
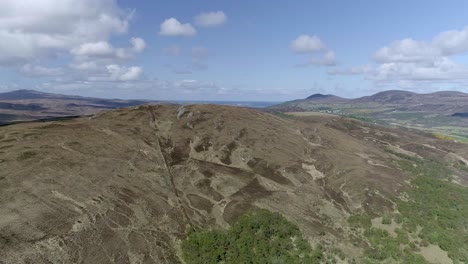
{"points": [[130, 185], [27, 105]]}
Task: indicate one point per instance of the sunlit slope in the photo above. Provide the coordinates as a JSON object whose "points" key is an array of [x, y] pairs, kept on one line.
{"points": [[124, 186]]}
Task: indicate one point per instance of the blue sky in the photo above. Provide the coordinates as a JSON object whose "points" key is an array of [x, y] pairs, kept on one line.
{"points": [[232, 50]]}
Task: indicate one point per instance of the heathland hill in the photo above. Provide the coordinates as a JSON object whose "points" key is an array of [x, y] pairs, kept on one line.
{"points": [[125, 185], [24, 105]]}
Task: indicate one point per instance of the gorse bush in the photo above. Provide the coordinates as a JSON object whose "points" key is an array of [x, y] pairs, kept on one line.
{"points": [[257, 237]]}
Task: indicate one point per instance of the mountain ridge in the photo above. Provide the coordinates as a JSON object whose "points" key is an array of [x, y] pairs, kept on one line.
{"points": [[386, 93], [28, 105], [426, 110]]}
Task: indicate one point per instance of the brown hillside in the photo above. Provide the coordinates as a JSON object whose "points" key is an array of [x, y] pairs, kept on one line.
{"points": [[123, 186]]}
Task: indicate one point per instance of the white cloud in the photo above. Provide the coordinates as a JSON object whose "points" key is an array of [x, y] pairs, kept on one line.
{"points": [[321, 54], [415, 64], [211, 19], [32, 29], [120, 73], [410, 60], [406, 50], [35, 32], [40, 71], [452, 41], [307, 44], [103, 49], [328, 59], [172, 27], [94, 49], [85, 66], [138, 44], [439, 70]]}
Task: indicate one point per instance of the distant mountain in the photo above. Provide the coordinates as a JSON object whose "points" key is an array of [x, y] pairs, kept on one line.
{"points": [[326, 98], [31, 94], [449, 101], [25, 105], [387, 97], [405, 98], [444, 109]]}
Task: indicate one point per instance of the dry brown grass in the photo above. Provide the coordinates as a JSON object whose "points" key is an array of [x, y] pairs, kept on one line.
{"points": [[125, 185]]}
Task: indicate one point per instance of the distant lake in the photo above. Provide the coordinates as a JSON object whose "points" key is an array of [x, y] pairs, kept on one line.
{"points": [[253, 104]]}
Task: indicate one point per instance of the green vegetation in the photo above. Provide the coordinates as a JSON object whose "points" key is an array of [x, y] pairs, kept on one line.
{"points": [[382, 245], [420, 167], [386, 220], [257, 237], [436, 211], [283, 115], [385, 246], [441, 209], [360, 220], [437, 205], [358, 117]]}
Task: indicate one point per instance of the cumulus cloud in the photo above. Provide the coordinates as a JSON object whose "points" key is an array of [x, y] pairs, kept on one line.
{"points": [[34, 33], [95, 49], [307, 44], [87, 66], [408, 63], [211, 19], [138, 44], [452, 42], [328, 59], [121, 73], [440, 69], [32, 29], [100, 61], [103, 49], [172, 27], [407, 50], [321, 54]]}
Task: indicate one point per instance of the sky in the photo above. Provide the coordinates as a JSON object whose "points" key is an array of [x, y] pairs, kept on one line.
{"points": [[232, 50]]}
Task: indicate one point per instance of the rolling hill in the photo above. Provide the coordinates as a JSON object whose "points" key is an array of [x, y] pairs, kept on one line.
{"points": [[124, 186], [443, 113], [26, 105]]}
